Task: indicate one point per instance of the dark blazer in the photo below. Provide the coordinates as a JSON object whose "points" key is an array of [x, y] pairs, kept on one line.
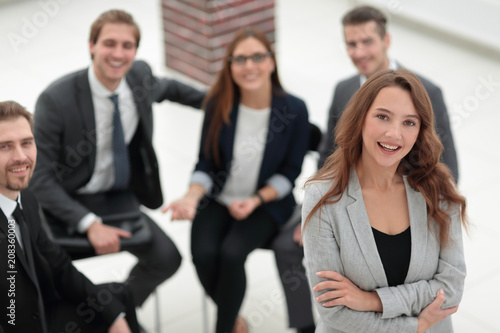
{"points": [[287, 143], [56, 277], [65, 135], [346, 89]]}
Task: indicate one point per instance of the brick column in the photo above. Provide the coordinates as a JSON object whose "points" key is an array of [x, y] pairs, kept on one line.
{"points": [[198, 31]]}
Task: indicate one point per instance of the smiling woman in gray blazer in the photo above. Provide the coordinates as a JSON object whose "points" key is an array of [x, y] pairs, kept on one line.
{"points": [[382, 219]]}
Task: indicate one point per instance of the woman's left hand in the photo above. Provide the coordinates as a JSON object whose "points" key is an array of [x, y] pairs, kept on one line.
{"points": [[240, 210], [119, 326], [343, 292]]}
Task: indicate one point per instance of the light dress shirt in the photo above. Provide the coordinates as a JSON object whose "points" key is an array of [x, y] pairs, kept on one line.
{"points": [[103, 177], [8, 206], [392, 65]]}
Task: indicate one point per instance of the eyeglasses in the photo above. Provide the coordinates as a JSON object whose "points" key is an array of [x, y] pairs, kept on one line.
{"points": [[257, 58]]}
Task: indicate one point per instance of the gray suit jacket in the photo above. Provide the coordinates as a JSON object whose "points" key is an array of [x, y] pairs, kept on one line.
{"points": [[65, 134], [342, 241], [346, 89]]}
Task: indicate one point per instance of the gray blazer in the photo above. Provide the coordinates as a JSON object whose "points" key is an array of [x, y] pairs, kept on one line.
{"points": [[342, 241], [346, 89]]}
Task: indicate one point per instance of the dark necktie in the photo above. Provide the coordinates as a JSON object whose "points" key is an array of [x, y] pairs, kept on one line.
{"points": [[23, 230], [121, 161], [26, 239]]}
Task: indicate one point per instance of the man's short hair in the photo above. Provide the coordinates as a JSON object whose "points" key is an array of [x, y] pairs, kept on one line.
{"points": [[113, 16], [12, 110], [364, 14]]}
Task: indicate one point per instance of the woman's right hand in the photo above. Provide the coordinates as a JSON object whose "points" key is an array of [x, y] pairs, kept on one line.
{"points": [[182, 209], [185, 208], [433, 313]]}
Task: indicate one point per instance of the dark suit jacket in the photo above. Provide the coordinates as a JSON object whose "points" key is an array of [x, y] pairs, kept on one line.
{"points": [[287, 143], [56, 277], [346, 89], [65, 135]]}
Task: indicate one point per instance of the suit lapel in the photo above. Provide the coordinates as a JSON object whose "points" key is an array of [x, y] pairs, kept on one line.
{"points": [[29, 209], [419, 231], [141, 102], [363, 231], [142, 105], [140, 89], [3, 224], [349, 91], [356, 84], [85, 106], [22, 255], [276, 129], [364, 235], [227, 135]]}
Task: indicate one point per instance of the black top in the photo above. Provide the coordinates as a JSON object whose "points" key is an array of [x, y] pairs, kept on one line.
{"points": [[394, 251]]}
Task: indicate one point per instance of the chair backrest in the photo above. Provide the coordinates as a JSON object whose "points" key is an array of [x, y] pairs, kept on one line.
{"points": [[315, 137]]}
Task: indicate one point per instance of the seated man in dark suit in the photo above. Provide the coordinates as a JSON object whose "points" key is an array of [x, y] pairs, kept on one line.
{"points": [[93, 131], [367, 43], [289, 253], [41, 290]]}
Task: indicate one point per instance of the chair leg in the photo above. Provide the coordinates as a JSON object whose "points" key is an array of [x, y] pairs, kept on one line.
{"points": [[157, 311], [204, 302]]}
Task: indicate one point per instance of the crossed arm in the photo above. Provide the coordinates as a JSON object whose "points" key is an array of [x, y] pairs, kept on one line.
{"points": [[343, 305]]}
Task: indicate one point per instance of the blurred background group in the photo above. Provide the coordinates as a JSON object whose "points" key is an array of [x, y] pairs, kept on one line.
{"points": [[453, 43]]}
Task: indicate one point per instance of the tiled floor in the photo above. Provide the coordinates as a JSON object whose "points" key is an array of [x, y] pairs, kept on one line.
{"points": [[42, 40]]}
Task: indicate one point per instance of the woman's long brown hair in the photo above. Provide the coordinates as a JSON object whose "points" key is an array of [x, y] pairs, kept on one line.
{"points": [[421, 166], [220, 99]]}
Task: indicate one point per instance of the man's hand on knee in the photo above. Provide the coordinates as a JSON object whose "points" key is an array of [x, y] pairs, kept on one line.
{"points": [[105, 239]]}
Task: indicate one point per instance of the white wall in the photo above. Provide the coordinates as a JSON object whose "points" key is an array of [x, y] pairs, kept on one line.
{"points": [[475, 21]]}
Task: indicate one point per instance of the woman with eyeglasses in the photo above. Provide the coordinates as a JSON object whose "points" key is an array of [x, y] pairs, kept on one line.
{"points": [[254, 139]]}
